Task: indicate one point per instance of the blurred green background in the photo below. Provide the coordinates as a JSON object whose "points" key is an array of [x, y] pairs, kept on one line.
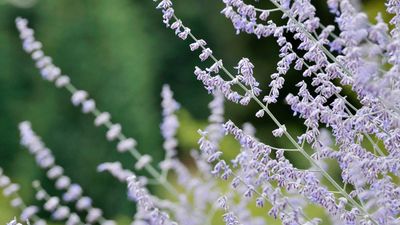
{"points": [[121, 53]]}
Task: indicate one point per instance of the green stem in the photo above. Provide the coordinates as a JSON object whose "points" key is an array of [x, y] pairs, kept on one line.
{"points": [[134, 152]]}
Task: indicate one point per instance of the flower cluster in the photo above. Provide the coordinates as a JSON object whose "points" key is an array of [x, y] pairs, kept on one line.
{"points": [[364, 141], [359, 48]]}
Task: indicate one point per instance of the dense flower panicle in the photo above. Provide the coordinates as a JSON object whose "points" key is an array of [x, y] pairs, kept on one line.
{"points": [[210, 82], [303, 181], [247, 189], [145, 202], [170, 122], [245, 71], [214, 129], [216, 83]]}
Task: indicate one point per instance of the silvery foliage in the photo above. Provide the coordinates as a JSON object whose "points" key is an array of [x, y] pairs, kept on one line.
{"points": [[355, 53]]}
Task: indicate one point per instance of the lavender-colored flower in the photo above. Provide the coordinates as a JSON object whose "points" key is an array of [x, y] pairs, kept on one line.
{"points": [[84, 203], [79, 97], [73, 219], [63, 183], [143, 161], [170, 121], [55, 172], [205, 54], [116, 170], [51, 204], [16, 202], [279, 132], [245, 69], [94, 214], [61, 213], [13, 222], [197, 44], [146, 203], [88, 106], [28, 212], [11, 189], [102, 119], [73, 193], [113, 132], [126, 144]]}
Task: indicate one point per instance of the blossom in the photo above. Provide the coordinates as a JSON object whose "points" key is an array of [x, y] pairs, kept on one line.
{"points": [[102, 119], [94, 214], [205, 54], [126, 144], [84, 203], [143, 161], [28, 212], [79, 97], [197, 44], [279, 132], [113, 132], [52, 204], [170, 123]]}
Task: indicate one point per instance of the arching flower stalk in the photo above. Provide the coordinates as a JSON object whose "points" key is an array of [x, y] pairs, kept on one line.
{"points": [[73, 193], [28, 213], [81, 98]]}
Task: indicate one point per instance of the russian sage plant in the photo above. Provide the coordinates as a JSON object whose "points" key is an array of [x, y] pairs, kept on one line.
{"points": [[355, 54]]}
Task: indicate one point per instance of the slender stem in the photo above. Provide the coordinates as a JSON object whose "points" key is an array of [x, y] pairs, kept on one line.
{"points": [[135, 153], [211, 214], [38, 187]]}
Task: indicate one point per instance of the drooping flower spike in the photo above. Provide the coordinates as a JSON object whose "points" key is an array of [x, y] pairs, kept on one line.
{"points": [[73, 193], [28, 213]]}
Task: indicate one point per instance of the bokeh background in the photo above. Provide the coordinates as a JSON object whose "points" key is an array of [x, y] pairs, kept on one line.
{"points": [[121, 53]]}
